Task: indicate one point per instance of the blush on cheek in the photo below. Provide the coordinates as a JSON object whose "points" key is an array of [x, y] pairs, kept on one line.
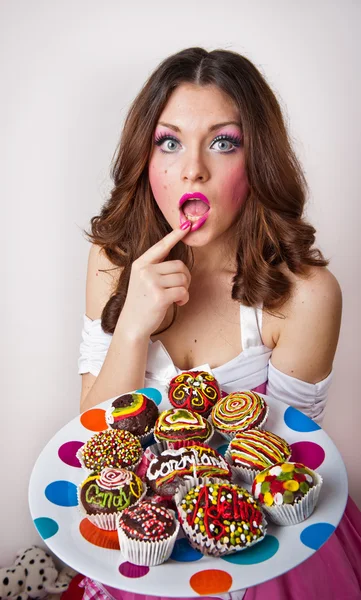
{"points": [[159, 188], [237, 187]]}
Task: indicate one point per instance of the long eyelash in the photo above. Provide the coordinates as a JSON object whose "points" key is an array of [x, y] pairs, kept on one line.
{"points": [[164, 136], [235, 140]]}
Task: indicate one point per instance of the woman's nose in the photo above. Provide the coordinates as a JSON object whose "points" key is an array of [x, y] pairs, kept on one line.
{"points": [[194, 168]]}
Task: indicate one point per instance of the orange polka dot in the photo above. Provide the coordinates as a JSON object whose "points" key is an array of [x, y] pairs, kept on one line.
{"points": [[99, 537], [211, 581], [94, 419]]}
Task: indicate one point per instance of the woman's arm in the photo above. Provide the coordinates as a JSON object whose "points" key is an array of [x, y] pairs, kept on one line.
{"points": [[308, 335]]}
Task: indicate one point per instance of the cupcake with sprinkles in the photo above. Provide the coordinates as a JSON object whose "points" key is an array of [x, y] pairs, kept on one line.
{"points": [[110, 448], [194, 390], [133, 412], [179, 427], [103, 496], [252, 451], [220, 518], [239, 411], [147, 534], [288, 492]]}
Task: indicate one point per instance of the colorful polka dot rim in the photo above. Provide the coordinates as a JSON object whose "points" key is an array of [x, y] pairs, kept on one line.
{"points": [[96, 552]]}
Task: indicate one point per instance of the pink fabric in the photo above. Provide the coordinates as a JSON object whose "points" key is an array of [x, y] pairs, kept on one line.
{"points": [[93, 590], [261, 389]]}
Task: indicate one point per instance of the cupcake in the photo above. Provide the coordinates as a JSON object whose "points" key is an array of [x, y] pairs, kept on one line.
{"points": [[288, 492], [249, 452], [181, 427], [167, 471], [110, 448], [134, 412], [194, 390], [239, 411], [147, 534], [103, 496], [220, 518]]}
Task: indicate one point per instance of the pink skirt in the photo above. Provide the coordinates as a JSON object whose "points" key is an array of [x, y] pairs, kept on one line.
{"points": [[332, 573]]}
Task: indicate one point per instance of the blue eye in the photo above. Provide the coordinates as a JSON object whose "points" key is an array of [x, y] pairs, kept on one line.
{"points": [[170, 139], [225, 141]]}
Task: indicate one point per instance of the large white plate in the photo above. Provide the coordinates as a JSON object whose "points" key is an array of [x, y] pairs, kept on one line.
{"points": [[283, 549]]}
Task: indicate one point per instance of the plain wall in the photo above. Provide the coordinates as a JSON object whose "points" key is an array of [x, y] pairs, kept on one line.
{"points": [[69, 71]]}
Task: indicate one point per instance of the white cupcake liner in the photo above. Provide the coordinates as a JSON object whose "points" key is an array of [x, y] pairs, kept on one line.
{"points": [[105, 521], [203, 543], [291, 514], [144, 552], [229, 435], [246, 474]]}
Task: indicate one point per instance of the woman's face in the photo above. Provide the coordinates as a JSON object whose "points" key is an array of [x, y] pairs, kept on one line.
{"points": [[198, 150]]}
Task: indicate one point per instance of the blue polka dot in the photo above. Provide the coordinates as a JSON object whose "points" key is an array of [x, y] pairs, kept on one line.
{"points": [[62, 493], [46, 527], [297, 421], [183, 552], [152, 393], [222, 449], [255, 554], [314, 536]]}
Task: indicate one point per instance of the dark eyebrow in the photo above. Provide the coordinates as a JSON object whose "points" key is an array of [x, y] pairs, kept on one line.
{"points": [[212, 128]]}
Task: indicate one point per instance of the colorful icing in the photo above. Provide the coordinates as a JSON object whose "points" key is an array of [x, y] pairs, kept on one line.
{"points": [[257, 449], [110, 448], [239, 411], [113, 478], [192, 461], [194, 390], [284, 483], [136, 406], [112, 499], [225, 513], [147, 522], [181, 424]]}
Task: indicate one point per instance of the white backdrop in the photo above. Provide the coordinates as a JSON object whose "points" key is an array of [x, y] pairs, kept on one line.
{"points": [[69, 71]]}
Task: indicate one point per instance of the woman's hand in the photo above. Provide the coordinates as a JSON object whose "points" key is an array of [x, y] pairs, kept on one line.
{"points": [[154, 286]]}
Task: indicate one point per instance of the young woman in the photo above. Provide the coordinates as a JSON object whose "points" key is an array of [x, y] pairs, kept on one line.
{"points": [[202, 255]]}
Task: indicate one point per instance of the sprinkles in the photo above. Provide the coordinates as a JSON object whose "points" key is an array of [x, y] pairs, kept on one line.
{"points": [[110, 448], [147, 522], [284, 483]]}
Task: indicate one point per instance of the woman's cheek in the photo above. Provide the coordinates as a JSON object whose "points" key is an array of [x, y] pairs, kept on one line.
{"points": [[236, 187], [159, 186]]}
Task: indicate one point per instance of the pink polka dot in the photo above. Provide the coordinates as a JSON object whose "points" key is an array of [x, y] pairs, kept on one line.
{"points": [[67, 453], [308, 453], [127, 569]]}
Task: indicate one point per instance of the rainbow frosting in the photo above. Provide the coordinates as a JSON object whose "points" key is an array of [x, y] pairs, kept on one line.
{"points": [[178, 424], [258, 449], [239, 411]]}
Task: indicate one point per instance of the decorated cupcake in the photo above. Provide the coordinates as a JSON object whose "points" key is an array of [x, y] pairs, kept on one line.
{"points": [[103, 496], [194, 390], [167, 471], [178, 427], [239, 411], [288, 492], [249, 452], [110, 448], [133, 412], [220, 518], [147, 534]]}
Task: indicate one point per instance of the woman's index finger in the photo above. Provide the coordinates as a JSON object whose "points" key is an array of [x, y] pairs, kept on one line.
{"points": [[161, 249]]}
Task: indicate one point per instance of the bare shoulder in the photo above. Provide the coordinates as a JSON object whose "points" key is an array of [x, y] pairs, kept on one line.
{"points": [[309, 330], [102, 280]]}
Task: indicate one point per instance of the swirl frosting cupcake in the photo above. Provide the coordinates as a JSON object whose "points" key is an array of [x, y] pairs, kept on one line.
{"points": [[133, 412], [102, 496], [220, 518], [288, 492], [147, 534], [110, 448], [179, 427], [252, 451], [239, 411], [168, 470], [194, 390]]}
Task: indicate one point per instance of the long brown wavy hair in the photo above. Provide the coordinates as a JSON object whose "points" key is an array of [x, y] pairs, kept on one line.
{"points": [[270, 228]]}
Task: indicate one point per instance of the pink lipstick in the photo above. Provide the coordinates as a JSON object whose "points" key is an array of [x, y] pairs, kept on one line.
{"points": [[194, 207]]}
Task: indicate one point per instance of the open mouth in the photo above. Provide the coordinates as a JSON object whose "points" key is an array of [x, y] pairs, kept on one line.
{"points": [[194, 207]]}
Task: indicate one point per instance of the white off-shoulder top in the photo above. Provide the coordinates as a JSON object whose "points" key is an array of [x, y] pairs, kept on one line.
{"points": [[251, 369]]}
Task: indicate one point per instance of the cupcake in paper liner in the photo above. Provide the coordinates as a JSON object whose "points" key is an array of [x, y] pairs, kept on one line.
{"points": [[147, 534], [220, 518], [166, 471], [252, 451], [134, 412], [115, 448], [288, 492], [239, 411], [178, 427], [103, 496], [194, 390]]}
